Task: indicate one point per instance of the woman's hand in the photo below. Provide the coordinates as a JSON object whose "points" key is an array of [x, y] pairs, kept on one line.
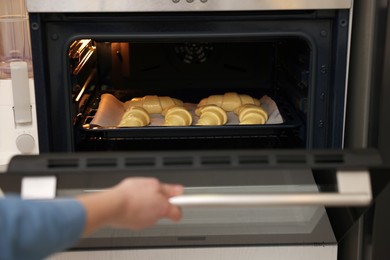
{"points": [[144, 202], [134, 203]]}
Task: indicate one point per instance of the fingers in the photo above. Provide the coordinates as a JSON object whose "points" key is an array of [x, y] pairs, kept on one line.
{"points": [[171, 190], [174, 213]]}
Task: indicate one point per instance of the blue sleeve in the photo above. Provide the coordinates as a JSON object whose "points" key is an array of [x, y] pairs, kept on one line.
{"points": [[34, 229]]}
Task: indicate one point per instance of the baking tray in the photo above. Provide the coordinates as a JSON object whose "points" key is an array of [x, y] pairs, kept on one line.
{"points": [[290, 120]]}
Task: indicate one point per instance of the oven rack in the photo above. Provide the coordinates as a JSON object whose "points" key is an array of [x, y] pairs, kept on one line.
{"points": [[290, 117]]}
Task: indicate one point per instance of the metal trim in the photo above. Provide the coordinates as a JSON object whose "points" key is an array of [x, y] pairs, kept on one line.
{"points": [[354, 190], [60, 6]]}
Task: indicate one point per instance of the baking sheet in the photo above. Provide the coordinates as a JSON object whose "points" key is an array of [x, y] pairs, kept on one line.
{"points": [[111, 110]]}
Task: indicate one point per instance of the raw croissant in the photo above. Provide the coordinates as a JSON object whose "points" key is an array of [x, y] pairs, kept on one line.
{"points": [[177, 116], [153, 104], [251, 114], [229, 101], [134, 117], [211, 115]]}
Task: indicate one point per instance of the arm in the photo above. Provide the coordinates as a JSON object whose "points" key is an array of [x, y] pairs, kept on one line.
{"points": [[35, 229]]}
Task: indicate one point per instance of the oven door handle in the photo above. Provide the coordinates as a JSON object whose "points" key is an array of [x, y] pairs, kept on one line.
{"points": [[354, 189]]}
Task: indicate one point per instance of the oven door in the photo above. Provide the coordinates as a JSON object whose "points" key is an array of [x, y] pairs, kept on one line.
{"points": [[231, 198]]}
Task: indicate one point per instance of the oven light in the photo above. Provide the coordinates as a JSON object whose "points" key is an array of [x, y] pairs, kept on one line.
{"points": [[77, 48], [79, 53], [84, 60]]}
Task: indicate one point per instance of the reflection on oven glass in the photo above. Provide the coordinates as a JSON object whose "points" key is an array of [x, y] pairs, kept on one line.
{"points": [[234, 221], [288, 223]]}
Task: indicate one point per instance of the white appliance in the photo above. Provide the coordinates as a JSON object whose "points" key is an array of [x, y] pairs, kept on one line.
{"points": [[18, 128]]}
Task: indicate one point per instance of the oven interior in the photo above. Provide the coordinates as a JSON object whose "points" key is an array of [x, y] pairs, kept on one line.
{"points": [[278, 68]]}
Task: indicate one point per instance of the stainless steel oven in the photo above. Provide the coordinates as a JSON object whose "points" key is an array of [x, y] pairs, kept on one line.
{"points": [[306, 178], [291, 57]]}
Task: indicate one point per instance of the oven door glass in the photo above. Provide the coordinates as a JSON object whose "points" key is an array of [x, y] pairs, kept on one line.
{"points": [[230, 198], [236, 224]]}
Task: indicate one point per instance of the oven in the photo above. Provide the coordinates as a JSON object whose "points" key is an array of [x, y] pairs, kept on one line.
{"points": [[293, 61], [301, 182]]}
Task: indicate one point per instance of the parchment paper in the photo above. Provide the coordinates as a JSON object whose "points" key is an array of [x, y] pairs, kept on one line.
{"points": [[111, 110]]}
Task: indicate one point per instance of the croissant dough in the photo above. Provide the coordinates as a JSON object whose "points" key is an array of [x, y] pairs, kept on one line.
{"points": [[153, 104], [211, 115], [177, 116], [229, 101], [135, 117], [250, 114]]}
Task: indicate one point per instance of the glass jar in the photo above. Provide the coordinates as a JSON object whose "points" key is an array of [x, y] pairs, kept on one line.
{"points": [[15, 42]]}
